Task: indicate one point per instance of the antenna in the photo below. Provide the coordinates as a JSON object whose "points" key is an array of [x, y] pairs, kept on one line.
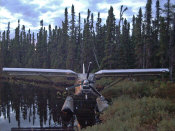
{"points": [[96, 58], [83, 69], [88, 71]]}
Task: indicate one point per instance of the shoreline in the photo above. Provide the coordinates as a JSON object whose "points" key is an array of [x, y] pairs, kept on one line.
{"points": [[37, 81]]}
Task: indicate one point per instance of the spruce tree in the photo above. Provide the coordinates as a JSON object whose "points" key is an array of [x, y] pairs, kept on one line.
{"points": [[41, 47], [53, 47], [29, 55], [87, 54], [45, 51], [126, 48], [7, 59], [100, 39], [62, 51], [71, 60], [5, 47], [149, 44], [110, 46], [16, 49], [24, 47], [139, 40], [155, 36], [50, 47], [169, 9], [162, 53], [94, 58], [157, 16], [32, 52], [79, 45]]}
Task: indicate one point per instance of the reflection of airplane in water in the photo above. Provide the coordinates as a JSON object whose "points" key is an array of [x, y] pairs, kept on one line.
{"points": [[83, 105]]}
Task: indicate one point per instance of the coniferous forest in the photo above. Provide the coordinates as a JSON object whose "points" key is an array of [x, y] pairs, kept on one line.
{"points": [[148, 41]]}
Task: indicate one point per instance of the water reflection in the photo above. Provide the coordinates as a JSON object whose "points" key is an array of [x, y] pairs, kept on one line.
{"points": [[29, 106]]}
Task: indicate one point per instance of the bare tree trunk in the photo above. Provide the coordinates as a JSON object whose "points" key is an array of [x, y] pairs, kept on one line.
{"points": [[121, 19]]}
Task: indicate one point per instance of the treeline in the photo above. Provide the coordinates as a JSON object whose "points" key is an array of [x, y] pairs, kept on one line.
{"points": [[146, 42]]}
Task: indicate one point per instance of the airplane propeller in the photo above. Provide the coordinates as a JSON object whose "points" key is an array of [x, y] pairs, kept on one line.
{"points": [[89, 82]]}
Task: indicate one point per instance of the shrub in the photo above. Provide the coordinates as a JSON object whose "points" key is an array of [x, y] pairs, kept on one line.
{"points": [[153, 110], [133, 89], [139, 106], [131, 114], [167, 125]]}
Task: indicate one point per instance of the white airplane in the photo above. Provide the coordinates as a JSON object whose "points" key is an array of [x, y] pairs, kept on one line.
{"points": [[84, 87]]}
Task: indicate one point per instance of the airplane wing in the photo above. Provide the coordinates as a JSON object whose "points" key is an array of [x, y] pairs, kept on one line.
{"points": [[39, 72], [131, 72]]}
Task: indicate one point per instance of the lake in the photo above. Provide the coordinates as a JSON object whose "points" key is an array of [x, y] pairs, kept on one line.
{"points": [[28, 106]]}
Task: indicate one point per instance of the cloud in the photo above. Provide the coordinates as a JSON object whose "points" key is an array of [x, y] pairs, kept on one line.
{"points": [[80, 5], [30, 12], [7, 16], [52, 11], [16, 6], [133, 6], [12, 10]]}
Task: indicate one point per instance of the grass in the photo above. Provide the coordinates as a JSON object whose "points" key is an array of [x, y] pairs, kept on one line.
{"points": [[139, 106]]}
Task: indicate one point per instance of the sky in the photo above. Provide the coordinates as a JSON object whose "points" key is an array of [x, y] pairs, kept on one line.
{"points": [[30, 12]]}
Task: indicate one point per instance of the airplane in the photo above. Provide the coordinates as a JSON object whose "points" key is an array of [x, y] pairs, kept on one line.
{"points": [[86, 101]]}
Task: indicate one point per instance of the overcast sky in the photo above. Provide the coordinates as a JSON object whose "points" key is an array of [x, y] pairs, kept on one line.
{"points": [[30, 12]]}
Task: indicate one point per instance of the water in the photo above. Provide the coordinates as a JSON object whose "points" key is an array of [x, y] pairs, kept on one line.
{"points": [[28, 106]]}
